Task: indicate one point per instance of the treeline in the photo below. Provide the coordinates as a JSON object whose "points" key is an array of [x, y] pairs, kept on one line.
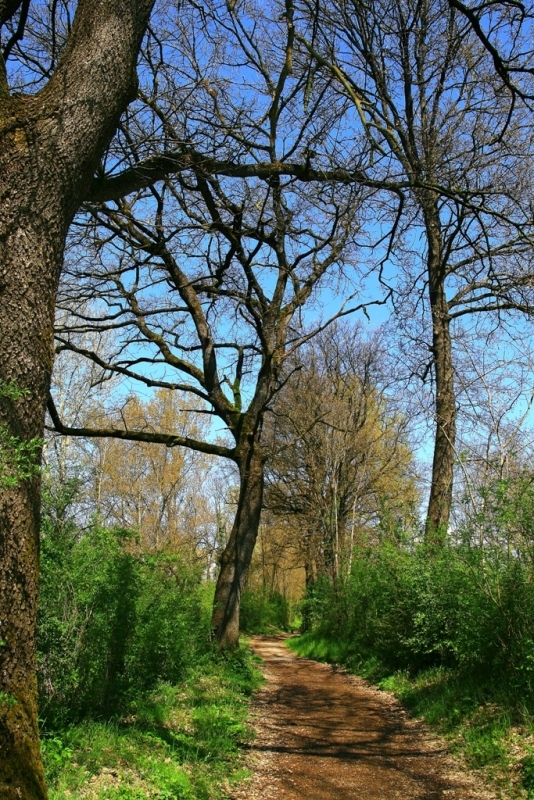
{"points": [[412, 607]]}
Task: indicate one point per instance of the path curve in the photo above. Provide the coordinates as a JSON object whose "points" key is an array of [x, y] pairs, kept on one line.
{"points": [[324, 735]]}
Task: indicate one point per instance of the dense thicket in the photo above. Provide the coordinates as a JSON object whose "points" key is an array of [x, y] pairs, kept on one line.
{"points": [[114, 620], [467, 606], [135, 699]]}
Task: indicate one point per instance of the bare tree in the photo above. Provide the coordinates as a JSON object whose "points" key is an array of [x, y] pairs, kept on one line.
{"points": [[204, 277], [503, 30], [423, 95], [495, 441]]}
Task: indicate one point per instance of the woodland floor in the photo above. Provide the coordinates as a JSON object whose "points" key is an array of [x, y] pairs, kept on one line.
{"points": [[324, 735]]}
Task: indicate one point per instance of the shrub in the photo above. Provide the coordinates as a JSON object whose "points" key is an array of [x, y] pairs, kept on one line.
{"points": [[417, 607], [261, 612], [112, 621]]}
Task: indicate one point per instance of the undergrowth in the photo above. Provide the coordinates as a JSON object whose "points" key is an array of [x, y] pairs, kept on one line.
{"points": [[135, 700], [180, 742]]}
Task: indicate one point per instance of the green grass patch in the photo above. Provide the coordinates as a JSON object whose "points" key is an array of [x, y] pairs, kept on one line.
{"points": [[175, 743], [319, 647], [483, 722]]}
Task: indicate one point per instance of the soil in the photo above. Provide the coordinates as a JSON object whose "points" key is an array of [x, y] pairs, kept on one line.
{"points": [[322, 734]]}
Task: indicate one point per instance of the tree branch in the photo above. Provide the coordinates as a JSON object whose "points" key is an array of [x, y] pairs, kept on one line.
{"points": [[152, 437], [104, 189]]}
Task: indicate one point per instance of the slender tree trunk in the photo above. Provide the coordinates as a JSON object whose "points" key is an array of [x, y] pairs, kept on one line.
{"points": [[237, 554], [50, 145], [440, 501]]}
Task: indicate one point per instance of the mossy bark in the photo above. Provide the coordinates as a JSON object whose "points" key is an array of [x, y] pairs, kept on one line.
{"points": [[50, 145]]}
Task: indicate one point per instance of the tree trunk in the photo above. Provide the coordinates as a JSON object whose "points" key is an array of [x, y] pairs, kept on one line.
{"points": [[237, 554], [440, 501], [27, 294], [50, 145]]}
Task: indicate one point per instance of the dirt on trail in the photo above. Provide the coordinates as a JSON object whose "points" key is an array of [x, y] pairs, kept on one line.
{"points": [[324, 735]]}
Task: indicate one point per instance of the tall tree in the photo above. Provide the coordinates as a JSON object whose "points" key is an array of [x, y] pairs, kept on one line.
{"points": [[238, 264], [50, 145], [423, 97], [205, 269]]}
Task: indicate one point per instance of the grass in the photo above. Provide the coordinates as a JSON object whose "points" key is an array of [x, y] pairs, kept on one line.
{"points": [[177, 742], [483, 721]]}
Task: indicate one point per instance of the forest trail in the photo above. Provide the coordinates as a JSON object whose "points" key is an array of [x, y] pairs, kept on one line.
{"points": [[324, 735]]}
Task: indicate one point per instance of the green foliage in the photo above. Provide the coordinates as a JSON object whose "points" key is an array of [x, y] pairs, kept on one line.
{"points": [[10, 391], [18, 459], [135, 699], [421, 607], [528, 774], [7, 700], [113, 622], [264, 612], [504, 519], [176, 742]]}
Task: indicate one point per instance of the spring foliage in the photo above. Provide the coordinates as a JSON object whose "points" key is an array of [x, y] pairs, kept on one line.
{"points": [[114, 620], [135, 700]]}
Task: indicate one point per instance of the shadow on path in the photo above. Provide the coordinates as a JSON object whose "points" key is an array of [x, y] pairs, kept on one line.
{"points": [[324, 735]]}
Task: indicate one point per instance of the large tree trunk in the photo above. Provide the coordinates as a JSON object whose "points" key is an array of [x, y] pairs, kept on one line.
{"points": [[50, 145], [237, 554], [440, 500], [28, 277]]}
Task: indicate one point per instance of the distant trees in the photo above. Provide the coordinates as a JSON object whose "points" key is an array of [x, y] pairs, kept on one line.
{"points": [[166, 495], [342, 469], [149, 489]]}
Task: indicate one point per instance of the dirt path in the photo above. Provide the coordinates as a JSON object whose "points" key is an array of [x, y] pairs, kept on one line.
{"points": [[325, 735]]}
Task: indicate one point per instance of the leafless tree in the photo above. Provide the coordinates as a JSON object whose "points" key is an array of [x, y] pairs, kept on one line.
{"points": [[423, 92], [204, 276]]}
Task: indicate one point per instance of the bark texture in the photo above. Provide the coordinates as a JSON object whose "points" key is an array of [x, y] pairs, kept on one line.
{"points": [[440, 500], [8, 8], [50, 145], [237, 554]]}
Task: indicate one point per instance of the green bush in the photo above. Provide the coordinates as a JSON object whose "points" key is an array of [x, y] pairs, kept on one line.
{"points": [[413, 608], [263, 612], [112, 621]]}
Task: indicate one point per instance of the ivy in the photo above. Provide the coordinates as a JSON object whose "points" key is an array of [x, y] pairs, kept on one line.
{"points": [[18, 459]]}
